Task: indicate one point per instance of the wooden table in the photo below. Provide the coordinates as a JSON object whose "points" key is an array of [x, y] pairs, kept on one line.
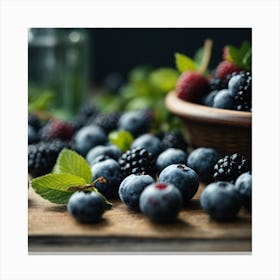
{"points": [[52, 229]]}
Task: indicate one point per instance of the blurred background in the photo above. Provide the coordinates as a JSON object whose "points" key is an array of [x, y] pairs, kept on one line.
{"points": [[116, 68]]}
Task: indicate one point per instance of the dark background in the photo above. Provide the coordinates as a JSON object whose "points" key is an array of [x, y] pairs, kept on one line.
{"points": [[121, 49]]}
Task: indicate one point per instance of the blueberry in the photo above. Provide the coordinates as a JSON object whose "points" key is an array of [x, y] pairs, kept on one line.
{"points": [[111, 151], [243, 185], [202, 161], [161, 202], [135, 122], [170, 156], [87, 138], [221, 201], [33, 136], [99, 159], [131, 188], [223, 100], [183, 178], [86, 207], [149, 142], [110, 170], [208, 99]]}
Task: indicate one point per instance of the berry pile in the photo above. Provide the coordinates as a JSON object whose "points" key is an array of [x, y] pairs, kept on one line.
{"points": [[229, 87], [149, 171]]}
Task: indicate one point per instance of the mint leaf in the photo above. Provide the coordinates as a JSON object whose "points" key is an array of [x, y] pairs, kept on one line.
{"points": [[241, 57], [122, 139], [184, 63], [55, 187], [72, 163]]}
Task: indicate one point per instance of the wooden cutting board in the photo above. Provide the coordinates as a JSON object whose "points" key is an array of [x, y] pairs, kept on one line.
{"points": [[52, 229]]}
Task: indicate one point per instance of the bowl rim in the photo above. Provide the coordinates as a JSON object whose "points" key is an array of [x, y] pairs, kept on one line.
{"points": [[205, 114]]}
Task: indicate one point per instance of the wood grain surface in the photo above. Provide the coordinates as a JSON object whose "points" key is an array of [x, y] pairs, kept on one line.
{"points": [[51, 228]]}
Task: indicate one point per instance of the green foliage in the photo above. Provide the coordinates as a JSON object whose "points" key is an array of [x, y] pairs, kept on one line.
{"points": [[146, 89], [241, 57], [39, 100], [163, 79], [70, 162], [122, 139], [184, 63], [54, 187]]}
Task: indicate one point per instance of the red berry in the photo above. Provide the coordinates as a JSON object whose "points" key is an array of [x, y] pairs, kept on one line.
{"points": [[191, 86], [161, 186], [225, 68], [57, 129]]}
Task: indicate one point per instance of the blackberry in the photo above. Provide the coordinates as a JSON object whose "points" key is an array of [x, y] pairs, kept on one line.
{"points": [[218, 84], [230, 167], [174, 139], [137, 161], [240, 88], [42, 157], [107, 121]]}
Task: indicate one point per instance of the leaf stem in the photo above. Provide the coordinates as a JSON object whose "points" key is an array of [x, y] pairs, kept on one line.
{"points": [[206, 56], [102, 180]]}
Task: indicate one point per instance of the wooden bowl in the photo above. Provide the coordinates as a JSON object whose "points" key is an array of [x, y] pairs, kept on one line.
{"points": [[227, 131]]}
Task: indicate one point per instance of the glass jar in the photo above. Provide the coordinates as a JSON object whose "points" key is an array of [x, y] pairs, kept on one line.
{"points": [[58, 62]]}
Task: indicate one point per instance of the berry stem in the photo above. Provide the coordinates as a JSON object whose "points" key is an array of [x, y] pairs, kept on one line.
{"points": [[206, 56], [102, 180]]}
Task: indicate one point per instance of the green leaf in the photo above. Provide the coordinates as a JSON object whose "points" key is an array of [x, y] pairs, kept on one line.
{"points": [[72, 163], [235, 56], [247, 60], [139, 74], [245, 47], [241, 57], [54, 187], [164, 79], [184, 63], [122, 139]]}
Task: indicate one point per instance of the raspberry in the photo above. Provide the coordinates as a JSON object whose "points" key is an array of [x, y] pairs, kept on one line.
{"points": [[42, 157], [225, 68], [174, 139], [57, 129], [107, 121], [137, 161], [230, 167], [191, 86]]}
